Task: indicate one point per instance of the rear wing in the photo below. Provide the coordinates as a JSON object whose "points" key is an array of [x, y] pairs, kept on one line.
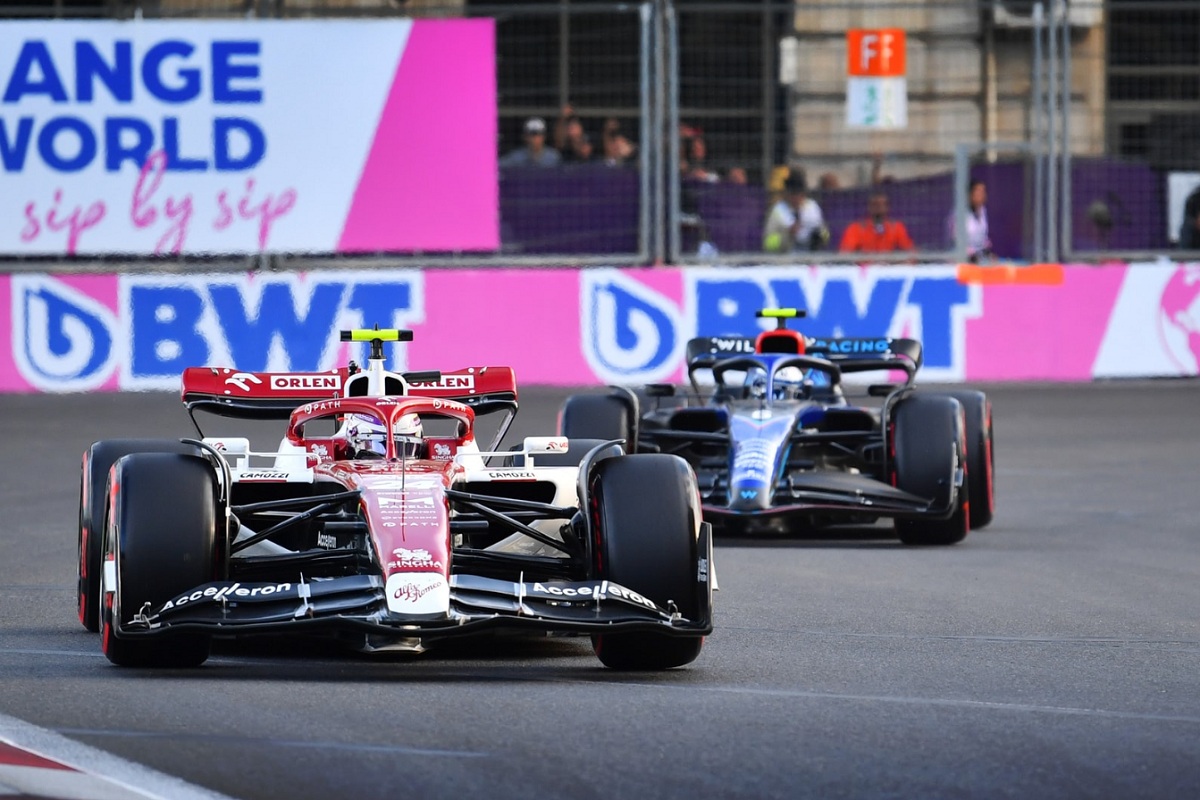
{"points": [[274, 395], [870, 352]]}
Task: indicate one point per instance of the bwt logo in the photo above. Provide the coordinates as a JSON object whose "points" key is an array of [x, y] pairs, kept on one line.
{"points": [[62, 338], [633, 334], [66, 339]]}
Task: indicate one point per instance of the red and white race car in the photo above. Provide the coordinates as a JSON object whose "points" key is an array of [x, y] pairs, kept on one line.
{"points": [[381, 535]]}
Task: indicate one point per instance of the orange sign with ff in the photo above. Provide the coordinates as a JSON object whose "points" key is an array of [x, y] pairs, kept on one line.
{"points": [[875, 53]]}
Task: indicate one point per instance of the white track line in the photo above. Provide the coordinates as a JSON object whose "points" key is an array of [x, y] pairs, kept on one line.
{"points": [[118, 779]]}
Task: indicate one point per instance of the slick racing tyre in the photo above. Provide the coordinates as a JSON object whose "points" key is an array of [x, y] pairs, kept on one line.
{"points": [[162, 533], [597, 416], [981, 467], [645, 517], [928, 441], [97, 461]]}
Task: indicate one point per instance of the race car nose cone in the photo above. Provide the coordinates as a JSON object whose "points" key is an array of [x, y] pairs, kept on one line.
{"points": [[748, 497]]}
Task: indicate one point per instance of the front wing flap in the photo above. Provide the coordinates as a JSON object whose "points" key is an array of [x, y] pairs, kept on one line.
{"points": [[357, 602]]}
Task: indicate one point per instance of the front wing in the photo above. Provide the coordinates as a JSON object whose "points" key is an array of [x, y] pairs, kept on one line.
{"points": [[477, 604]]}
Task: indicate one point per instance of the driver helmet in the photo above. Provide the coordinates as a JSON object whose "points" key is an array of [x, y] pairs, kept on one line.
{"points": [[788, 383], [367, 436]]}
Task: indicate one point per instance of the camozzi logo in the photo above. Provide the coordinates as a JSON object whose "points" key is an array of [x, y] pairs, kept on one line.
{"points": [[62, 338]]}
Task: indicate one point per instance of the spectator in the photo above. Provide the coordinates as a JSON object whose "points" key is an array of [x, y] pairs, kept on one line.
{"points": [[617, 148], [534, 153], [795, 222], [876, 233], [979, 243], [570, 138], [1189, 231], [738, 175], [829, 182], [694, 160], [877, 176]]}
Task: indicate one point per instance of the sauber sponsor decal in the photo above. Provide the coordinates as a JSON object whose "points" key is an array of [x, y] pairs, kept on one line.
{"points": [[417, 593], [702, 571], [262, 475], [447, 382], [590, 591], [415, 559], [442, 451], [242, 380], [304, 383], [321, 405], [221, 592], [409, 509], [512, 475]]}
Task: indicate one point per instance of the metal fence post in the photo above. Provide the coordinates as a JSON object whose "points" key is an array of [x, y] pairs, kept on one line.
{"points": [[645, 163], [653, 137], [671, 132], [1056, 11], [1037, 134], [1067, 203]]}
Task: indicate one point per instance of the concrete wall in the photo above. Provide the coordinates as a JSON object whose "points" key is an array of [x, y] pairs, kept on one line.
{"points": [[948, 72]]}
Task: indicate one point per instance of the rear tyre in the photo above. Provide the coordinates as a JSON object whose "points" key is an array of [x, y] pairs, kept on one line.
{"points": [[981, 468], [597, 416], [162, 533], [646, 519], [928, 435], [97, 461]]}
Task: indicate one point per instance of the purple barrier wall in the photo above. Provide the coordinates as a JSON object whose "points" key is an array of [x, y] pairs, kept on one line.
{"points": [[577, 208], [591, 208]]}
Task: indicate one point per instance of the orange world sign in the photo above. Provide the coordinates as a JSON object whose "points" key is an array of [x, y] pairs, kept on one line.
{"points": [[875, 53]]}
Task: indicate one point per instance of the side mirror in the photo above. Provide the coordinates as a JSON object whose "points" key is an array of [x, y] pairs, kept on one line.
{"points": [[660, 389], [881, 389], [545, 444]]}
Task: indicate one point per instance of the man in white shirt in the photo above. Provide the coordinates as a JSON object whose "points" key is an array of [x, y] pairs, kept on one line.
{"points": [[795, 222]]}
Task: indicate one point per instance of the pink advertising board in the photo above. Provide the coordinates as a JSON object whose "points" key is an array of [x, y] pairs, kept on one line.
{"points": [[571, 327], [217, 136]]}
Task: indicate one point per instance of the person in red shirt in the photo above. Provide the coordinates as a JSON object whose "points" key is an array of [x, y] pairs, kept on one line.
{"points": [[877, 233]]}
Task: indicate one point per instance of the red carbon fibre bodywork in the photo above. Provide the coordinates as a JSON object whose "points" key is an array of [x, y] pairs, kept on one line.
{"points": [[404, 500], [303, 387]]}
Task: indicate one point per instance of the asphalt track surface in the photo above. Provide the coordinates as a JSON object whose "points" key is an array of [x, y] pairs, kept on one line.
{"points": [[1053, 655]]}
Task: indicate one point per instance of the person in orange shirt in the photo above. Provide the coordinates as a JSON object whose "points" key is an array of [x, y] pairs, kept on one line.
{"points": [[877, 233]]}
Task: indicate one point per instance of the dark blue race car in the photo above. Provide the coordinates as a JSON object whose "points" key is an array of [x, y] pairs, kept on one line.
{"points": [[769, 427]]}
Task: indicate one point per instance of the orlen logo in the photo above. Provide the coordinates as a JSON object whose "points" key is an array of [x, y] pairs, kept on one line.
{"points": [[448, 382], [242, 380], [303, 383]]}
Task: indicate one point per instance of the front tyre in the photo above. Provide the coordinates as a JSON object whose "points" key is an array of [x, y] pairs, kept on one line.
{"points": [[981, 467], [645, 519], [928, 432], [97, 461], [162, 538]]}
